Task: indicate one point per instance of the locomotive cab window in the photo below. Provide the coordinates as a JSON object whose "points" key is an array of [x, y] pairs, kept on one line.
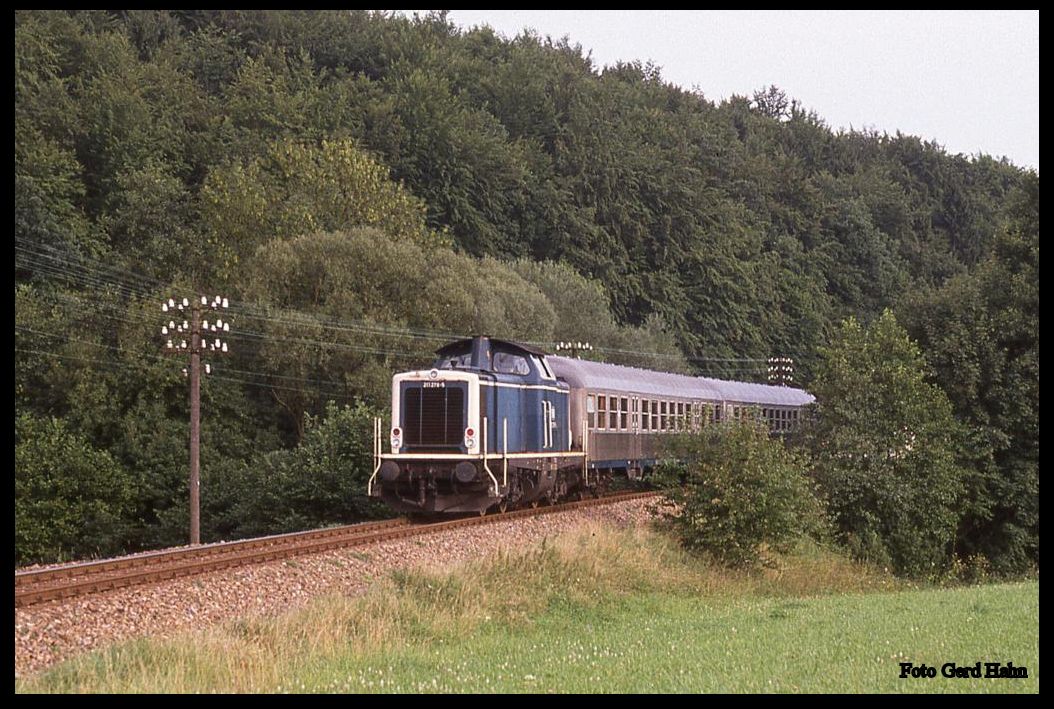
{"points": [[456, 362], [509, 363], [543, 367]]}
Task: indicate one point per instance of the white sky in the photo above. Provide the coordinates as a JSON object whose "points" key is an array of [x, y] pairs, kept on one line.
{"points": [[969, 80]]}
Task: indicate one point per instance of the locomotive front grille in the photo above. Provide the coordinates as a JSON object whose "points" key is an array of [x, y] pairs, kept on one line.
{"points": [[434, 417]]}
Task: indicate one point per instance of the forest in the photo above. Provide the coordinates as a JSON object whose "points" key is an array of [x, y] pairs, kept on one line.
{"points": [[365, 186]]}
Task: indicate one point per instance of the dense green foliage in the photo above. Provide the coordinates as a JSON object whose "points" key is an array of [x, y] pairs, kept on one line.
{"points": [[883, 448], [70, 499], [740, 494], [364, 186], [980, 331]]}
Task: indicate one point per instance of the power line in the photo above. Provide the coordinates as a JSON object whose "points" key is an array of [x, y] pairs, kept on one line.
{"points": [[94, 273]]}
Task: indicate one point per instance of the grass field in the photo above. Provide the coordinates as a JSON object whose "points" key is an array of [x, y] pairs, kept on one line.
{"points": [[599, 611]]}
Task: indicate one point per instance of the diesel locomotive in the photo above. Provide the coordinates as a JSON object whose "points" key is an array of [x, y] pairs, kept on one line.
{"points": [[499, 424]]}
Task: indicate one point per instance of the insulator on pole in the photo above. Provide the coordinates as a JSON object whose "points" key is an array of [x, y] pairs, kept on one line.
{"points": [[224, 347], [164, 330], [226, 327], [224, 302]]}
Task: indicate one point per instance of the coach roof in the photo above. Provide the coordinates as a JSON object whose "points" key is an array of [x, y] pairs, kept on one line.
{"points": [[614, 377], [601, 376]]}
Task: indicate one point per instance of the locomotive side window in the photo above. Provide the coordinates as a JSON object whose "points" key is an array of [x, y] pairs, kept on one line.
{"points": [[591, 411], [543, 367], [602, 412], [508, 363]]}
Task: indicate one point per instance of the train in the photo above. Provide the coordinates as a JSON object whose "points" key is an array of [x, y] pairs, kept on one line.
{"points": [[495, 424]]}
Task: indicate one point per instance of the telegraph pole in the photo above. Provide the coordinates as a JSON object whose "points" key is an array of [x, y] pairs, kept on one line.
{"points": [[574, 348], [195, 329]]}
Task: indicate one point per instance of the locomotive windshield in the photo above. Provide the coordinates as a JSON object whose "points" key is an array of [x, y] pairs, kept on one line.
{"points": [[455, 362]]}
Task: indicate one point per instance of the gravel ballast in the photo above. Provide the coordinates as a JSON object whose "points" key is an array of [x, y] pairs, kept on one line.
{"points": [[51, 632]]}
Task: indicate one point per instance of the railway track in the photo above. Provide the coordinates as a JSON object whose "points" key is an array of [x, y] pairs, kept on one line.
{"points": [[84, 578]]}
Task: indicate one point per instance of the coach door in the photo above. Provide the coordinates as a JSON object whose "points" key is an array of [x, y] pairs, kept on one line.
{"points": [[635, 440]]}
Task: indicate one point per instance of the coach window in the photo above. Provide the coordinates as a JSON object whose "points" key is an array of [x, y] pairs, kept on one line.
{"points": [[612, 413], [662, 415], [645, 417], [602, 412], [591, 411], [624, 415]]}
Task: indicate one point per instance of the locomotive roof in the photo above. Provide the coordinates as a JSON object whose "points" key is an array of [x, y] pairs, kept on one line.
{"points": [[615, 377], [458, 345]]}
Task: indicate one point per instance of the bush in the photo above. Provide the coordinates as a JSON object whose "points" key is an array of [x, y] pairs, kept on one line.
{"points": [[71, 500], [883, 445], [739, 492], [321, 482]]}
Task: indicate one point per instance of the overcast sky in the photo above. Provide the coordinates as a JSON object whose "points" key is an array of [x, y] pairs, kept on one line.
{"points": [[969, 80]]}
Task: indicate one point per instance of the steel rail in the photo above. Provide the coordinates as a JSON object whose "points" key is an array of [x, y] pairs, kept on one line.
{"points": [[83, 578]]}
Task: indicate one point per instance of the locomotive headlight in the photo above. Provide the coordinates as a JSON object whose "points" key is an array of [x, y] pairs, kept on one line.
{"points": [[397, 438]]}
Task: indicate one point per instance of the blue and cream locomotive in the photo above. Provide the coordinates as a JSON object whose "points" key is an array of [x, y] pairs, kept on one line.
{"points": [[498, 424]]}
